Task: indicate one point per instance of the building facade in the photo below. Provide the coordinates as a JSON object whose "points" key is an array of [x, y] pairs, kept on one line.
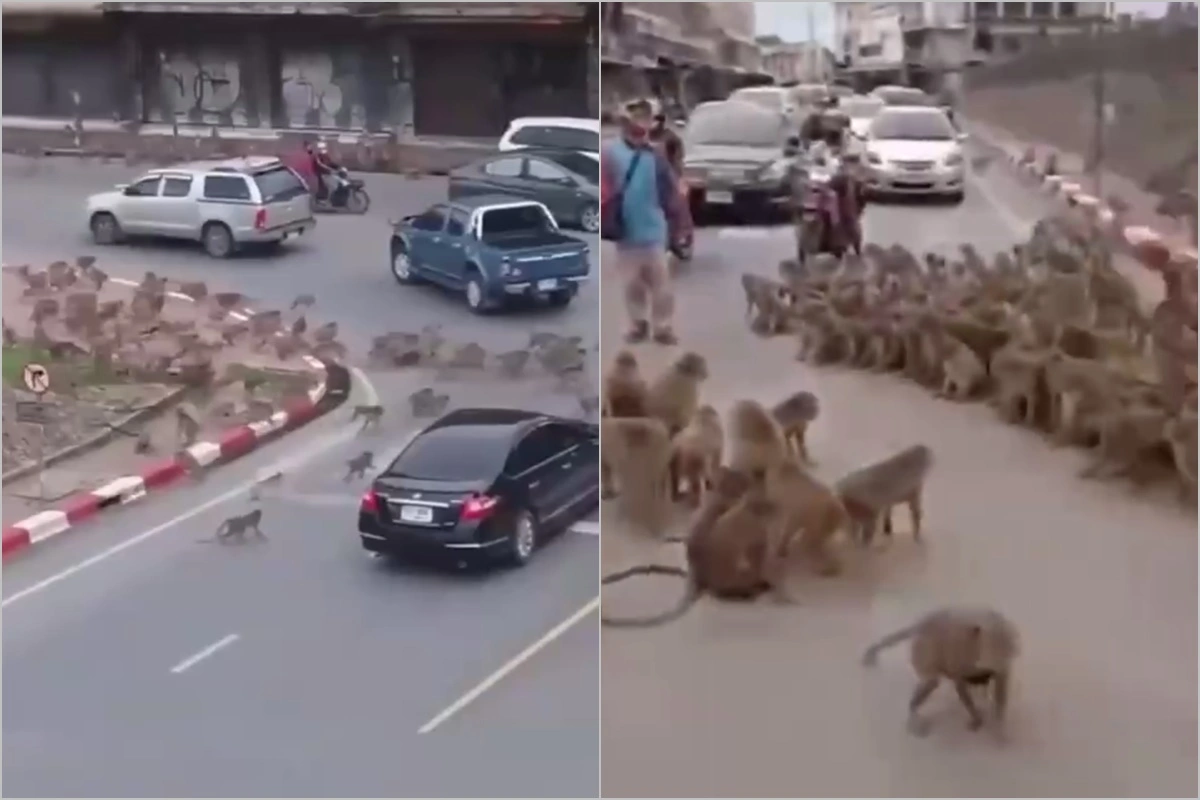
{"points": [[798, 62], [928, 44], [438, 69]]}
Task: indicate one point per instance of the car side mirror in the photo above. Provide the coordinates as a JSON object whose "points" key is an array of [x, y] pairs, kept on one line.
{"points": [[129, 191]]}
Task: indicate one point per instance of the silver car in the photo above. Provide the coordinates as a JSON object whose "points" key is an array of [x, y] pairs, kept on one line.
{"points": [[914, 150], [221, 204]]}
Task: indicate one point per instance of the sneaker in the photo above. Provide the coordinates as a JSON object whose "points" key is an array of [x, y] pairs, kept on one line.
{"points": [[665, 337], [638, 333]]}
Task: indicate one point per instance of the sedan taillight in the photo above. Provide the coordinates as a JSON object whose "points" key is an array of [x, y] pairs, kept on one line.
{"points": [[260, 219], [369, 503], [479, 507]]}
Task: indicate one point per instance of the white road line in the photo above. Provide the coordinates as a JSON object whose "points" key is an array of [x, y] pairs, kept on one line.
{"points": [[295, 461], [500, 674], [1015, 224], [191, 661]]}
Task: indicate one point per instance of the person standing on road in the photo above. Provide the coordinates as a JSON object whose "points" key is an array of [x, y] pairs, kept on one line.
{"points": [[642, 190]]}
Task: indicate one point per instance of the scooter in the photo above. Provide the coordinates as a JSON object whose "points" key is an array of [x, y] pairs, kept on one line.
{"points": [[348, 196]]}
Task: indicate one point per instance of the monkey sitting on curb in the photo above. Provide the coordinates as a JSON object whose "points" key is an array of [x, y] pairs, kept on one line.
{"points": [[969, 646], [357, 467]]}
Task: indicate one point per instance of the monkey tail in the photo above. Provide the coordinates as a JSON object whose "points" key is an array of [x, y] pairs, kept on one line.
{"points": [[872, 653], [686, 602]]}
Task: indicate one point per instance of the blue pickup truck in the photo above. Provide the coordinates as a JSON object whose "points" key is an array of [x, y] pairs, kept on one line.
{"points": [[491, 248]]}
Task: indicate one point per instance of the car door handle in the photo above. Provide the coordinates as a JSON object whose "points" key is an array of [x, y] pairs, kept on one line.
{"points": [[535, 484], [456, 244], [568, 466]]}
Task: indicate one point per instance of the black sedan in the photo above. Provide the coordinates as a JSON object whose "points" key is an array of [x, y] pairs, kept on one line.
{"points": [[484, 483], [566, 182]]}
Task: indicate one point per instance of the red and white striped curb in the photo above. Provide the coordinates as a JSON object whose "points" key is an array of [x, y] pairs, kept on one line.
{"points": [[233, 443], [1134, 235]]}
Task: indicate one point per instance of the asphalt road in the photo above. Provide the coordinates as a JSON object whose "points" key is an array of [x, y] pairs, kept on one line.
{"points": [[344, 262], [141, 662], [758, 700]]}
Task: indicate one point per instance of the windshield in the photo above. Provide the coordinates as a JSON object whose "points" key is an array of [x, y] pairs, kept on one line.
{"points": [[515, 219], [734, 125], [557, 136], [904, 97], [860, 107], [915, 127], [454, 453], [770, 99]]}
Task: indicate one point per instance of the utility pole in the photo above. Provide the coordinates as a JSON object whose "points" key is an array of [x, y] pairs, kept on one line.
{"points": [[1099, 111], [812, 44]]}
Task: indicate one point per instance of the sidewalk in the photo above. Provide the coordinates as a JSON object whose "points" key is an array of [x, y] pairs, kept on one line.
{"points": [[1140, 206], [358, 150]]}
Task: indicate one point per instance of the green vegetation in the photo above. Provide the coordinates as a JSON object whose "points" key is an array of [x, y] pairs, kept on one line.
{"points": [[81, 372]]}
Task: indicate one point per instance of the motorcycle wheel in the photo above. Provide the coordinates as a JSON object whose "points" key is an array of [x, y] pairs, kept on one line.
{"points": [[358, 201]]}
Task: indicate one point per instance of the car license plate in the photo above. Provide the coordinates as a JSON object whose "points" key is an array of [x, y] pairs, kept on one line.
{"points": [[416, 514], [719, 197], [548, 285]]}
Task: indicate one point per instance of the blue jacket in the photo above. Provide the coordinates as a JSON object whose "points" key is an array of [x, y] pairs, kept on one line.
{"points": [[648, 204]]}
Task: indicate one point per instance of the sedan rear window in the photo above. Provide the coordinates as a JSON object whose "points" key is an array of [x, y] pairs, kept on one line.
{"points": [[557, 137], [909, 126], [279, 184], [454, 453]]}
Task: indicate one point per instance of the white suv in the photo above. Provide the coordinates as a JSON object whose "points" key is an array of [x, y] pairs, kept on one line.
{"points": [[221, 204], [557, 133]]}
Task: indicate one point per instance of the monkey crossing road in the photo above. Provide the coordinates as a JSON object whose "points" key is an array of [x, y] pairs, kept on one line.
{"points": [[767, 699]]}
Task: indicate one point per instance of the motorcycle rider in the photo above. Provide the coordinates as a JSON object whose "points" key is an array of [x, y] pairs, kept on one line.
{"points": [[323, 165]]}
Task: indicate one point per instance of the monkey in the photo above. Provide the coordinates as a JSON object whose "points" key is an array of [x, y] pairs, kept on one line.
{"points": [[187, 425], [793, 415], [767, 303], [357, 467], [299, 326], [756, 442], [371, 416], [625, 391], [428, 403], [696, 453], [674, 395], [636, 452], [1020, 381], [197, 290], [870, 492], [512, 364], [734, 552], [237, 527], [304, 301], [970, 646], [1130, 437], [144, 445], [811, 510], [963, 374], [326, 333]]}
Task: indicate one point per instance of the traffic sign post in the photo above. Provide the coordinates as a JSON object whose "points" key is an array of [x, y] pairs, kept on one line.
{"points": [[37, 380]]}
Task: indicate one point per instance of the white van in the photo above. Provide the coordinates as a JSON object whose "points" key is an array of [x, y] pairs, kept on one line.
{"points": [[560, 133]]}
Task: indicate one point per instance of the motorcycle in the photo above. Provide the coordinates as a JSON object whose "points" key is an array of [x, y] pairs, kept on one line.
{"points": [[819, 212], [348, 195]]}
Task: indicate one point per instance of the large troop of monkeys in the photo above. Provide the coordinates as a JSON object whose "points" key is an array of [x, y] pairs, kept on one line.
{"points": [[1051, 333]]}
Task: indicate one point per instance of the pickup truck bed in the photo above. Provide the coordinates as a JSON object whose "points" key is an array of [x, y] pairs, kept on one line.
{"points": [[525, 241]]}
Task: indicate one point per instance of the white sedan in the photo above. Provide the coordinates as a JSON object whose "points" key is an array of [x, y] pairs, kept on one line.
{"points": [[915, 151]]}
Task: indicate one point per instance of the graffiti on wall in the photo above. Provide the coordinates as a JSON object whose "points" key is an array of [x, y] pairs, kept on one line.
{"points": [[321, 90], [201, 87]]}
